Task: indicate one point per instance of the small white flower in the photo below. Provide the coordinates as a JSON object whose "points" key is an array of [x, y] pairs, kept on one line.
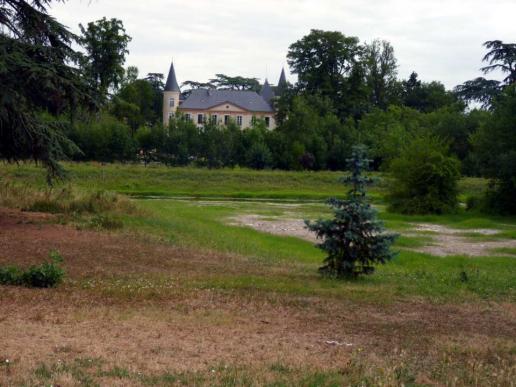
{"points": [[7, 361]]}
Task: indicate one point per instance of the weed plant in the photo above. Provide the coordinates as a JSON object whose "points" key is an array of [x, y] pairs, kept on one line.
{"points": [[47, 275]]}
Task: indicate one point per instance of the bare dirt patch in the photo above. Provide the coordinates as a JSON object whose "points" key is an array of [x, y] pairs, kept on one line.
{"points": [[283, 227], [448, 241], [26, 238], [445, 241]]}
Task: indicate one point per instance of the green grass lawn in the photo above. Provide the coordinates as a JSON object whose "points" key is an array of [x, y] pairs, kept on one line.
{"points": [[191, 182], [204, 225], [204, 183], [410, 274]]}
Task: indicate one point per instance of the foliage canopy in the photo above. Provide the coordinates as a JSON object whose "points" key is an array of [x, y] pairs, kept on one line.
{"points": [[495, 146]]}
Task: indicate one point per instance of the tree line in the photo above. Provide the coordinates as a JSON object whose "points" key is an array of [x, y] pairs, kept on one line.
{"points": [[59, 103]]}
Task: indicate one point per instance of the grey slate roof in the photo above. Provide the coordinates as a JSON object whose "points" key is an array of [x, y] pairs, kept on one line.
{"points": [[171, 84], [202, 99], [266, 92]]}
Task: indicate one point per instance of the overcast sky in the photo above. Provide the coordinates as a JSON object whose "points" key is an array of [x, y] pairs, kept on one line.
{"points": [[440, 40]]}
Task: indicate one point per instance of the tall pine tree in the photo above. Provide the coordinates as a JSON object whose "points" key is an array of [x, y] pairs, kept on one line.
{"points": [[354, 239]]}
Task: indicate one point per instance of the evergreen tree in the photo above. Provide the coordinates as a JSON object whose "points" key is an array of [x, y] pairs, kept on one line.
{"points": [[38, 82], [500, 57], [354, 239]]}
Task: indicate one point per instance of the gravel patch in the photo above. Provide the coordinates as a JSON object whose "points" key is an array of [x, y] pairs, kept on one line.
{"points": [[445, 241]]}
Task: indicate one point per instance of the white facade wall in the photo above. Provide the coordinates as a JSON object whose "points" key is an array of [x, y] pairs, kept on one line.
{"points": [[232, 111]]}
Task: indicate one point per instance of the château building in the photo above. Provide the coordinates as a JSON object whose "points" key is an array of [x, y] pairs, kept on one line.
{"points": [[221, 106]]}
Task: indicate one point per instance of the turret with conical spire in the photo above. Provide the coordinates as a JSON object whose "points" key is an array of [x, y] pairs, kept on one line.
{"points": [[267, 93], [282, 83], [171, 95], [171, 84], [282, 79]]}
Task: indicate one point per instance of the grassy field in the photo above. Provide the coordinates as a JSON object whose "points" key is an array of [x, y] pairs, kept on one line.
{"points": [[204, 183], [167, 289], [162, 181]]}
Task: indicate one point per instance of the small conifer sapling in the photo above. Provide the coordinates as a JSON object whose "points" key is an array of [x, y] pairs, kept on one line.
{"points": [[355, 239]]}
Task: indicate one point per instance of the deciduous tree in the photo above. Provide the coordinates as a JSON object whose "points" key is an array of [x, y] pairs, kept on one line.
{"points": [[381, 71], [495, 146], [322, 60], [226, 82], [105, 42]]}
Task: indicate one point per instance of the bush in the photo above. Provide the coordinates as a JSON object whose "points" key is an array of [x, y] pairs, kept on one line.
{"points": [[258, 156], [10, 275], [425, 178], [46, 275]]}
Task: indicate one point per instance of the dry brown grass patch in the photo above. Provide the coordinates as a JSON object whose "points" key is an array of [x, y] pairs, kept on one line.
{"points": [[171, 327]]}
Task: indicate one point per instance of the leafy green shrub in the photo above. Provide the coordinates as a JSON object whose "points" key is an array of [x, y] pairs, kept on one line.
{"points": [[425, 178], [46, 275], [10, 275], [259, 156], [354, 239]]}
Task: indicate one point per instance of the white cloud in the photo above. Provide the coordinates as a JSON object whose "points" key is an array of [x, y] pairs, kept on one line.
{"points": [[441, 40]]}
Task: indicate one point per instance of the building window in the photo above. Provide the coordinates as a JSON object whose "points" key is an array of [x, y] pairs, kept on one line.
{"points": [[253, 120], [226, 119], [239, 120], [267, 121], [200, 118], [171, 102], [214, 118], [170, 115], [188, 117]]}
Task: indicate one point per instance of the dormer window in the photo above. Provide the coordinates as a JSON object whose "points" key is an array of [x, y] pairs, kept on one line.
{"points": [[171, 102]]}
